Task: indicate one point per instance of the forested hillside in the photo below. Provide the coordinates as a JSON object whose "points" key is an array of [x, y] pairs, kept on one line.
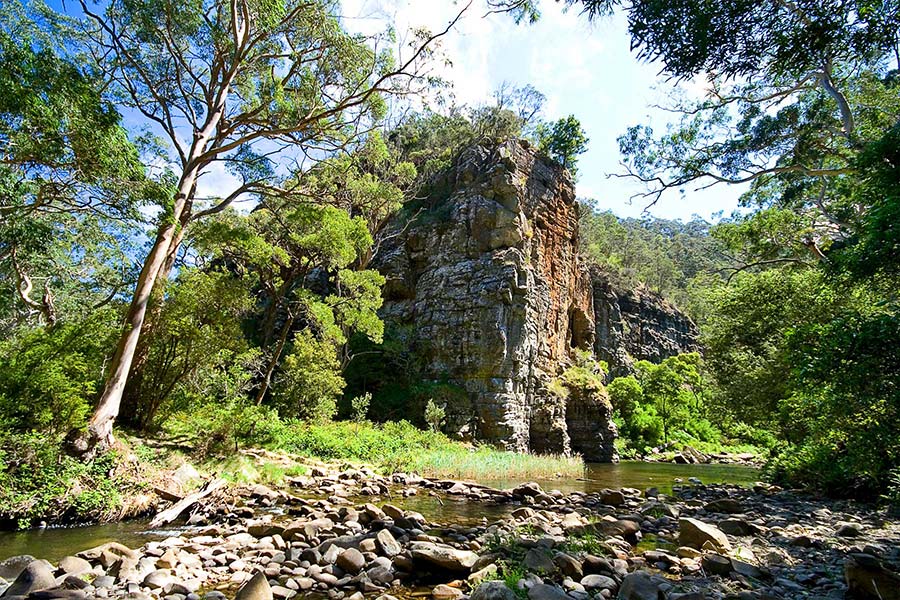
{"points": [[674, 259]]}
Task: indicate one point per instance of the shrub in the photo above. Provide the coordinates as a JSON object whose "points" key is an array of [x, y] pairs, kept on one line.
{"points": [[359, 406], [38, 482], [434, 415], [49, 376], [310, 382]]}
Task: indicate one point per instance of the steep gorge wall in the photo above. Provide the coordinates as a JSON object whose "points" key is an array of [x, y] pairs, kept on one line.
{"points": [[488, 281], [637, 324]]}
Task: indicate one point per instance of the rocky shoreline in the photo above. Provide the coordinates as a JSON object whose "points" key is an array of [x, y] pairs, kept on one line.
{"points": [[344, 535]]}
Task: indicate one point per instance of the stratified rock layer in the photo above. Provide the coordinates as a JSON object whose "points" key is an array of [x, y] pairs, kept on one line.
{"points": [[637, 324], [488, 281]]}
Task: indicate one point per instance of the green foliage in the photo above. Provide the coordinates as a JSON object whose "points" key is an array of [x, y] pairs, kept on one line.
{"points": [[198, 332], [432, 141], [677, 260], [50, 376], [672, 388], [746, 340], [485, 463], [359, 407], [563, 141], [626, 395], [37, 482], [664, 402], [434, 415], [216, 428], [70, 180], [585, 374], [309, 383]]}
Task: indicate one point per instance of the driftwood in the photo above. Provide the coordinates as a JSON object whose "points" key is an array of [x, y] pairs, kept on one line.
{"points": [[166, 494], [174, 511]]}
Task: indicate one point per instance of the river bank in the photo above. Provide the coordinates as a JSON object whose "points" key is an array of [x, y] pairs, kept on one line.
{"points": [[351, 532]]}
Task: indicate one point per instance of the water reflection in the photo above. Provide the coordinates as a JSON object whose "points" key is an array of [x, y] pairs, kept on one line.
{"points": [[54, 544]]}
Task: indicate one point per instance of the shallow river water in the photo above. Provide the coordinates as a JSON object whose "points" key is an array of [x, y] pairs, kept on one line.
{"points": [[55, 543]]}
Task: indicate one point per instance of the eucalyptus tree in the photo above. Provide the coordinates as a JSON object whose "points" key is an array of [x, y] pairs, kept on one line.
{"points": [[246, 85], [308, 261], [68, 173]]}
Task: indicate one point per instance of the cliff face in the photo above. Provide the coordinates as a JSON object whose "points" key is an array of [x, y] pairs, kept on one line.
{"points": [[489, 283], [637, 324]]}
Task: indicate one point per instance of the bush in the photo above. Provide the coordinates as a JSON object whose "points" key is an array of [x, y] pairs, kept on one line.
{"points": [[359, 406], [49, 376], [434, 415], [701, 429], [39, 482], [310, 382]]}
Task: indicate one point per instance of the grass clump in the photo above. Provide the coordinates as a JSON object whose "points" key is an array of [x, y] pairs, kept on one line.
{"points": [[391, 446], [457, 461]]}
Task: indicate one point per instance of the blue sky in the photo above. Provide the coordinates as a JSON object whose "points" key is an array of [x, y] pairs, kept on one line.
{"points": [[583, 68]]}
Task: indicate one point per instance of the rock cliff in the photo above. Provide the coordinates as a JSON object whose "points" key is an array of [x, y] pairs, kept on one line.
{"points": [[636, 324], [486, 276]]}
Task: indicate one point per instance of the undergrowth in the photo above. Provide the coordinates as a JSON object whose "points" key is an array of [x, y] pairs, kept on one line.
{"points": [[392, 446]]}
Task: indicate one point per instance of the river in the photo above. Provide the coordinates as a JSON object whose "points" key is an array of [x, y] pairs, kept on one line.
{"points": [[55, 543]]}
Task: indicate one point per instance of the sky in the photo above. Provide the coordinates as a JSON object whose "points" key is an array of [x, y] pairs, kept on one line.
{"points": [[585, 69]]}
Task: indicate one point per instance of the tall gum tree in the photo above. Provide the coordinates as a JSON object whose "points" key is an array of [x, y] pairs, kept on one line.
{"points": [[255, 86]]}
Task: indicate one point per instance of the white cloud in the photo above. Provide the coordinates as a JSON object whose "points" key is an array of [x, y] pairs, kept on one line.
{"points": [[583, 68]]}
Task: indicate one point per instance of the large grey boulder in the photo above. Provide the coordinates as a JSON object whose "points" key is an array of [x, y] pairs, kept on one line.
{"points": [[37, 575], [14, 565], [390, 547], [599, 582], [493, 590], [351, 561], [640, 586], [542, 591], [443, 556], [695, 533], [256, 588]]}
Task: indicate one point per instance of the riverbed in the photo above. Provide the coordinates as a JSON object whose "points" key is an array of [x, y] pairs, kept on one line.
{"points": [[55, 543]]}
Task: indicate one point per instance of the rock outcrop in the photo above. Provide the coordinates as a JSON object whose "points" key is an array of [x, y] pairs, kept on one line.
{"points": [[636, 324], [488, 281]]}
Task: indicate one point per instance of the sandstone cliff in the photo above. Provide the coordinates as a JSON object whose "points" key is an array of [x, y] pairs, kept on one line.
{"points": [[488, 280], [637, 324]]}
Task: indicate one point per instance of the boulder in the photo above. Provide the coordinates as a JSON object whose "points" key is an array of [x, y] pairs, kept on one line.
{"points": [[158, 579], [716, 564], [640, 585], [445, 592], [624, 528], [538, 560], [256, 588], [599, 582], [443, 556], [695, 533], [493, 590], [390, 547], [37, 575], [73, 565], [542, 591], [738, 527], [612, 497], [113, 549], [351, 561], [845, 529], [14, 565], [569, 565], [868, 579]]}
